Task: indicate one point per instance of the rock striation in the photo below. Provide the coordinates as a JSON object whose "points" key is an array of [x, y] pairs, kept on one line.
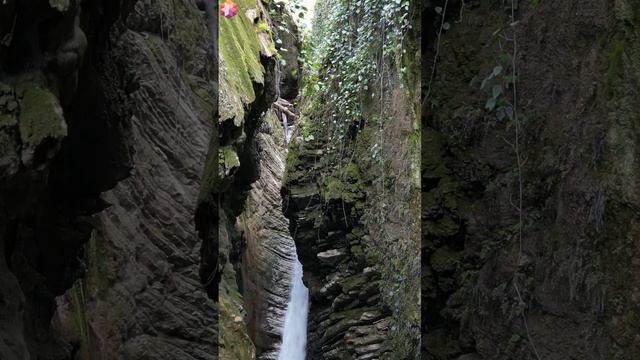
{"points": [[347, 318], [94, 93], [268, 258], [141, 296]]}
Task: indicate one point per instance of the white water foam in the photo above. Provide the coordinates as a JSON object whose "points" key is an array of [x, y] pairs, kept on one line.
{"points": [[294, 338]]}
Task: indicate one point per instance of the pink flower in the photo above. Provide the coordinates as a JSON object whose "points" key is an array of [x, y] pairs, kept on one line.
{"points": [[229, 9]]}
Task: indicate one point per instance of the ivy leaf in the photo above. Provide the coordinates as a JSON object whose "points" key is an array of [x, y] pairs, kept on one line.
{"points": [[497, 70], [446, 26], [509, 111], [505, 57], [439, 9], [484, 82], [491, 104], [496, 91]]}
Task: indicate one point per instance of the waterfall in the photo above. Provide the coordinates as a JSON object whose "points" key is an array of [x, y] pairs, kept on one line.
{"points": [[294, 338]]}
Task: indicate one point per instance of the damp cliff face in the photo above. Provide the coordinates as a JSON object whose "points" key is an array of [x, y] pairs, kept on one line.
{"points": [[251, 272], [564, 288], [268, 258], [114, 98], [352, 182], [141, 295]]}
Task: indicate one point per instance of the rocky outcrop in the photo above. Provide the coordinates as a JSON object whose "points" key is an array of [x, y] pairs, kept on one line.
{"points": [[555, 284], [91, 95]]}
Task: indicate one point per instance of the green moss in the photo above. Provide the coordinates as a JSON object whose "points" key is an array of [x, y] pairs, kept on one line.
{"points": [[291, 173], [240, 66], [357, 251], [346, 185], [234, 341], [614, 69], [229, 159], [263, 27], [41, 115], [210, 178]]}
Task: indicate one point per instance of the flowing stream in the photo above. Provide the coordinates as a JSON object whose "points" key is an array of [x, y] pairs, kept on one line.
{"points": [[294, 339]]}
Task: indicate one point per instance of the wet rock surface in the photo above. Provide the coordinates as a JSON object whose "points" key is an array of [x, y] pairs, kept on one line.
{"points": [[352, 185], [267, 261], [347, 318]]}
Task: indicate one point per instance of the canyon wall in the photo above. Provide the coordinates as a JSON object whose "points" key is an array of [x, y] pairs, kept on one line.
{"points": [[550, 276], [106, 109]]}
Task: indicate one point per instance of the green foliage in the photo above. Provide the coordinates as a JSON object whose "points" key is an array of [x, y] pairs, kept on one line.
{"points": [[298, 10], [263, 27], [240, 64], [342, 58], [500, 82]]}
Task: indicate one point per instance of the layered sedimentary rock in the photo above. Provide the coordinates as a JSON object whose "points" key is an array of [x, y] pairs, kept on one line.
{"points": [[94, 93], [142, 296], [347, 318], [267, 262], [564, 288]]}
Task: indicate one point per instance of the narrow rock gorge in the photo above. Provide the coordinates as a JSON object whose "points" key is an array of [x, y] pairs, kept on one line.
{"points": [[350, 183], [252, 271], [530, 179], [182, 181]]}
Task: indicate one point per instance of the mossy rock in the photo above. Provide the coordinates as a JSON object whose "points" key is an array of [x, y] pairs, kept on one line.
{"points": [[354, 282], [229, 159], [357, 252], [616, 51], [346, 185], [240, 66], [7, 120], [234, 341], [41, 118]]}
